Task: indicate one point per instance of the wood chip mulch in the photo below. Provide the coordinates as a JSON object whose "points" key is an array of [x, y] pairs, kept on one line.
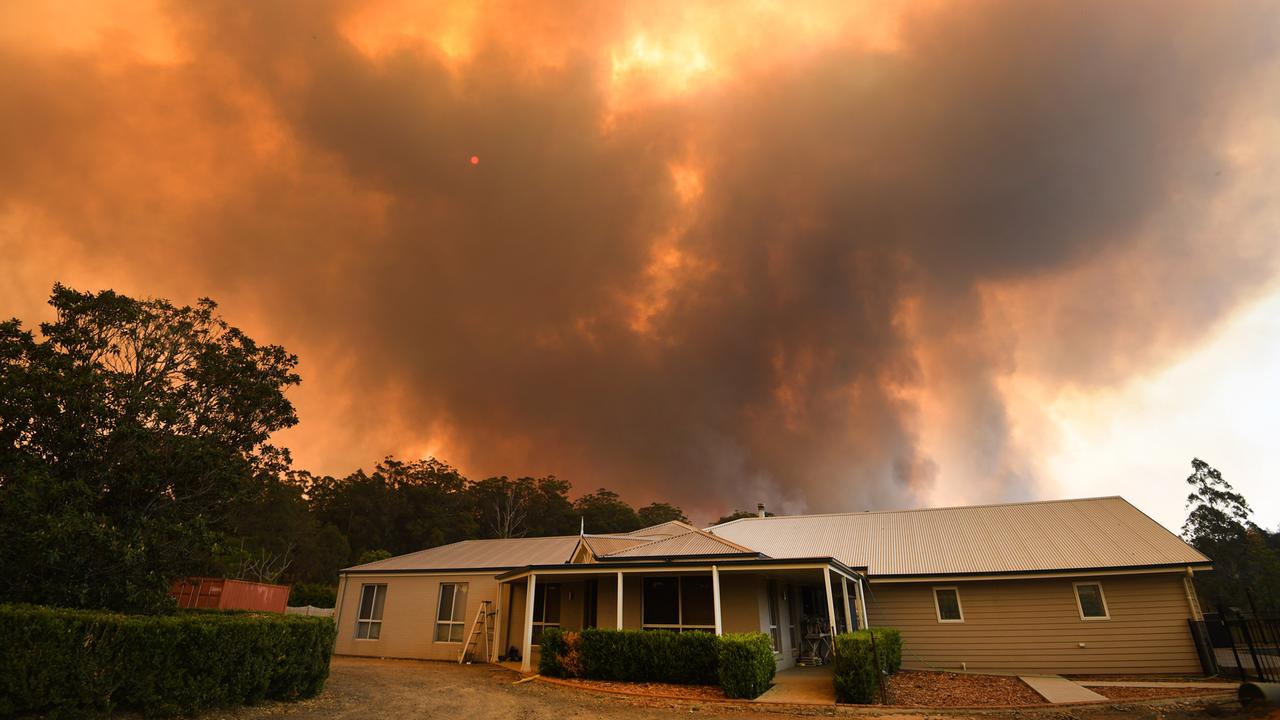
{"points": [[689, 692], [915, 688], [1147, 693]]}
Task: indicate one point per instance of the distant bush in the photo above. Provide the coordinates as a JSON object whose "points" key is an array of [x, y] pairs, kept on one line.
{"points": [[76, 662], [858, 666], [746, 664], [313, 594]]}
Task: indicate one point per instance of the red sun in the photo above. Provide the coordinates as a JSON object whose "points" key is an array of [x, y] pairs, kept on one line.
{"points": [[475, 159]]}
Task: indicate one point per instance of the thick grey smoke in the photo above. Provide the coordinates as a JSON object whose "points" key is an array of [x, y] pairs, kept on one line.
{"points": [[562, 308]]}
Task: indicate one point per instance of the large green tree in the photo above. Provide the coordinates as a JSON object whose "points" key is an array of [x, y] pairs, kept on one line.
{"points": [[603, 511], [400, 507], [1246, 569], [128, 429], [522, 507], [660, 512]]}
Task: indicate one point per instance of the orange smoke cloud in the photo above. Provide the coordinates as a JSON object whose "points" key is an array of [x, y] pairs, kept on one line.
{"points": [[712, 254]]}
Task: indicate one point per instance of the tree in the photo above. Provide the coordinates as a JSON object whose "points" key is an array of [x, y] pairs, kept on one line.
{"points": [[660, 512], [1246, 570], [603, 511], [401, 507], [739, 515], [128, 429]]}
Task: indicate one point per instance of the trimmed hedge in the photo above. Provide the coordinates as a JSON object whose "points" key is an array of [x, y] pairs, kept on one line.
{"points": [[687, 658], [74, 662], [742, 664], [746, 664], [857, 669]]}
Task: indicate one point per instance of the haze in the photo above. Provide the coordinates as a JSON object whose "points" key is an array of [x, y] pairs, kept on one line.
{"points": [[830, 256]]}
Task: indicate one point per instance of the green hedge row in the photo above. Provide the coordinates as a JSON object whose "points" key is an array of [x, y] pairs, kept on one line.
{"points": [[75, 662], [741, 663], [746, 664], [858, 666]]}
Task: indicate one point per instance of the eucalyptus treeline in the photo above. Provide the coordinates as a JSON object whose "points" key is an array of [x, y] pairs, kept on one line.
{"points": [[135, 449]]}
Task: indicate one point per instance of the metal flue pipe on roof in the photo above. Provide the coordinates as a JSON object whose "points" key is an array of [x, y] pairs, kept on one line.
{"points": [[759, 509]]}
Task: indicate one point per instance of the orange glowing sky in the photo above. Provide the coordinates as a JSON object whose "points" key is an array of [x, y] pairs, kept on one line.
{"points": [[825, 255]]}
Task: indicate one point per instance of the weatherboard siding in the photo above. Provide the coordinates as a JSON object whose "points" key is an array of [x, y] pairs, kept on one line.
{"points": [[1035, 625]]}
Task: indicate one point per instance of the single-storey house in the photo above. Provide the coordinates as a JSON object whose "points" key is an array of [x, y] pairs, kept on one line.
{"points": [[1080, 586]]}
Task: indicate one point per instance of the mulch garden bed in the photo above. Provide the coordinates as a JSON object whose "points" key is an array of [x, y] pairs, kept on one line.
{"points": [[915, 688], [686, 692], [1112, 692]]}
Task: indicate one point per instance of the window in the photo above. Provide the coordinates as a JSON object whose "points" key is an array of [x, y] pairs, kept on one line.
{"points": [[775, 632], [678, 603], [451, 613], [946, 600], [546, 609], [369, 619], [1090, 601]]}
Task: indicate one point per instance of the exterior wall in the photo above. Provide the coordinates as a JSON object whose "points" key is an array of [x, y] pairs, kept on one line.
{"points": [[408, 615], [1035, 625]]}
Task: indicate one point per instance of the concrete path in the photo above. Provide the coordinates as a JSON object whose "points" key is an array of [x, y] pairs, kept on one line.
{"points": [[802, 685], [1057, 689], [1160, 684]]}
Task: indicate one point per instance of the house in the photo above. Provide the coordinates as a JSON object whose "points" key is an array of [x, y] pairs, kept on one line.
{"points": [[1080, 586]]}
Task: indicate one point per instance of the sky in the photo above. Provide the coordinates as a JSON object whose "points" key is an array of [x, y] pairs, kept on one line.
{"points": [[825, 256]]}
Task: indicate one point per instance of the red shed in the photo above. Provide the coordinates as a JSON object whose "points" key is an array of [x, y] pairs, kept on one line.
{"points": [[228, 594]]}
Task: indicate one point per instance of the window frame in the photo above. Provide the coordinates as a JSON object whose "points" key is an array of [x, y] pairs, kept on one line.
{"points": [[453, 604], [370, 622], [680, 625], [775, 616], [937, 607], [540, 625], [1102, 597]]}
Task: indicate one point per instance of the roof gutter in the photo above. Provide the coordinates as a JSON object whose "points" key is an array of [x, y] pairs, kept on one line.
{"points": [[726, 563], [1047, 573]]}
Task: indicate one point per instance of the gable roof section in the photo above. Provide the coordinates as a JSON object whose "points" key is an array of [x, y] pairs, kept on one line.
{"points": [[1086, 534], [601, 545], [480, 554], [692, 543], [664, 529]]}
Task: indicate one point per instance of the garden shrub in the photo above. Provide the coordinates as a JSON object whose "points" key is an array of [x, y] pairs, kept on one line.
{"points": [[687, 658], [746, 664], [857, 669], [742, 664], [75, 662], [552, 649]]}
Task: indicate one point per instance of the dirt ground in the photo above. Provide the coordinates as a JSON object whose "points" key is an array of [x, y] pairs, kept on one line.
{"points": [[360, 689]]}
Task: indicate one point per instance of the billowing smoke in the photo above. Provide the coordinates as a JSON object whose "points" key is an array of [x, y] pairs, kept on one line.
{"points": [[707, 258]]}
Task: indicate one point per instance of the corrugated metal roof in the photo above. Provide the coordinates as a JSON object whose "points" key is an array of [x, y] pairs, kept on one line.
{"points": [[693, 542], [504, 553], [605, 544], [665, 529], [1019, 537]]}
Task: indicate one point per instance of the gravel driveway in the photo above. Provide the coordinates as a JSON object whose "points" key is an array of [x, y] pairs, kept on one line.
{"points": [[364, 689]]}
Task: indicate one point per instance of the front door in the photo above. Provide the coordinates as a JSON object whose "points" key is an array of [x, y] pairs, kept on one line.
{"points": [[590, 594]]}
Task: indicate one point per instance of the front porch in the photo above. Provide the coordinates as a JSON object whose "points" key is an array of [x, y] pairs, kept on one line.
{"points": [[800, 605]]}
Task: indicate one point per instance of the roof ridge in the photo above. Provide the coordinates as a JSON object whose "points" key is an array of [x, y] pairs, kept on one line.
{"points": [[692, 531], [916, 510]]}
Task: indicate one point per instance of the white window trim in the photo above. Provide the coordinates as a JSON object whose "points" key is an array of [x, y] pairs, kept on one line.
{"points": [[450, 623], [543, 622], [371, 621], [680, 625], [1102, 595], [937, 609]]}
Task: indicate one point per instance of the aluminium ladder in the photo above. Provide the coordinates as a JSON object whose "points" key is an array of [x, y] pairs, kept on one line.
{"points": [[482, 624]]}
